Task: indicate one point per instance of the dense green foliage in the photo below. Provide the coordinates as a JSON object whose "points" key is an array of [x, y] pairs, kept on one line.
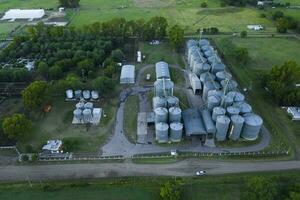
{"points": [[69, 3], [281, 82], [239, 3], [156, 28], [35, 95], [176, 36], [15, 75], [171, 191], [17, 126], [283, 23]]}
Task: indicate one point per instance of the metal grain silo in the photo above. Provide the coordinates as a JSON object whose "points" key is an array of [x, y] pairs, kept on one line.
{"points": [[207, 48], [162, 132], [200, 68], [227, 101], [78, 94], [222, 75], [162, 70], [159, 102], [209, 53], [95, 95], [252, 126], [208, 122], [86, 94], [237, 123], [175, 114], [222, 125], [78, 114], [244, 107], [237, 96], [218, 93], [229, 85], [232, 110], [89, 105], [161, 114], [69, 94], [217, 111], [213, 101], [203, 42], [80, 105], [214, 59], [206, 76], [209, 85], [176, 132], [191, 51], [191, 43], [163, 88], [172, 101], [217, 67], [87, 116]]}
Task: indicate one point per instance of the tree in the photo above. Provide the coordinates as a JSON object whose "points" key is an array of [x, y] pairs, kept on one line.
{"points": [[104, 84], [69, 3], [156, 28], [117, 55], [242, 55], [43, 69], [244, 34], [84, 66], [176, 35], [35, 95], [294, 192], [282, 25], [55, 72], [203, 5], [110, 71], [260, 188], [171, 191], [17, 127], [277, 15]]}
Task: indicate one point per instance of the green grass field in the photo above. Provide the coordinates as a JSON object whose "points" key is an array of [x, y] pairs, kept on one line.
{"points": [[34, 4], [130, 117], [225, 187], [7, 27], [282, 128]]}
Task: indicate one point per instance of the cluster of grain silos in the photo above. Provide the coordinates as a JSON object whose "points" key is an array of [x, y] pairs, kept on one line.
{"points": [[231, 115], [168, 115], [82, 94], [83, 112]]}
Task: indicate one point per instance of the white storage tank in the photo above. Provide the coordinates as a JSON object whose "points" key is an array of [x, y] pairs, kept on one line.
{"points": [[176, 131], [222, 75], [86, 94], [227, 101], [175, 114], [209, 53], [243, 107], [206, 76], [172, 101], [95, 95], [203, 42], [217, 111], [252, 126], [69, 94], [213, 101], [161, 115], [214, 59], [159, 102], [209, 85], [80, 105], [236, 127], [162, 132], [78, 114], [89, 105], [217, 67], [78, 94], [200, 68], [207, 48], [218, 93], [163, 88], [232, 110], [208, 122], [237, 96], [87, 116], [230, 85], [222, 125]]}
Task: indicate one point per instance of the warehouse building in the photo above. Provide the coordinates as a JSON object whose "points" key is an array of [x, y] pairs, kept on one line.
{"points": [[14, 14], [127, 74], [193, 123]]}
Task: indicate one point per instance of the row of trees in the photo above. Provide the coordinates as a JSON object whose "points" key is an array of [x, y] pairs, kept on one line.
{"points": [[284, 23], [281, 82], [69, 3], [238, 3]]}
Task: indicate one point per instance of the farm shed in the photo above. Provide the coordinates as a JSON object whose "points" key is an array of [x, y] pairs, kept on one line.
{"points": [[14, 14], [127, 74]]}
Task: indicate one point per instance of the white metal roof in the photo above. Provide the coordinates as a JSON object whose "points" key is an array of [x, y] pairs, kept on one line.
{"points": [[127, 74], [53, 145], [23, 14]]}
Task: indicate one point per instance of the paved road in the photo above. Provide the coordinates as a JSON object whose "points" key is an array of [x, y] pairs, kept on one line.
{"points": [[183, 168]]}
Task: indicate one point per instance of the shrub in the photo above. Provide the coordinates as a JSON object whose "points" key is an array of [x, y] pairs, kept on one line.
{"points": [[204, 5]]}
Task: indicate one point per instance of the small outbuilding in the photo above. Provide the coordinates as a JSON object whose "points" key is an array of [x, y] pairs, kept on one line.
{"points": [[32, 14], [127, 74], [294, 112], [53, 146]]}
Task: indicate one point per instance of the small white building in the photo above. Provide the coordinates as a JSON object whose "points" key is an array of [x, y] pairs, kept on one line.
{"points": [[139, 57], [257, 27], [53, 146], [294, 112], [127, 74], [14, 14]]}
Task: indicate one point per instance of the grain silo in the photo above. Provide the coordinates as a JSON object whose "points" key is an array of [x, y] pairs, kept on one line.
{"points": [[78, 114], [214, 59], [161, 114], [69, 94], [80, 105], [203, 42], [191, 51], [232, 110], [162, 132], [95, 95], [227, 101], [176, 131], [217, 67], [200, 68], [162, 70], [87, 116], [217, 111], [191, 43], [207, 48], [89, 105], [213, 101], [159, 102], [78, 94], [222, 75], [222, 125], [209, 85], [172, 101], [209, 53], [206, 76], [174, 114], [86, 94], [229, 85], [244, 107], [252, 126], [163, 88], [236, 127], [237, 96], [208, 122], [218, 93]]}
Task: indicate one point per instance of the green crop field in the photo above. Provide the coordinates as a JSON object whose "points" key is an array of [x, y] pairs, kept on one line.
{"points": [[263, 54], [226, 187]]}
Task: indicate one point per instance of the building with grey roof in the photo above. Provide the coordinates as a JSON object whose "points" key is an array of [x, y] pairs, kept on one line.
{"points": [[127, 74], [193, 122]]}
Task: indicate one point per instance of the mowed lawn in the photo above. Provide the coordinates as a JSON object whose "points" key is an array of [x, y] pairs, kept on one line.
{"points": [[11, 4], [264, 53], [7, 27]]}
